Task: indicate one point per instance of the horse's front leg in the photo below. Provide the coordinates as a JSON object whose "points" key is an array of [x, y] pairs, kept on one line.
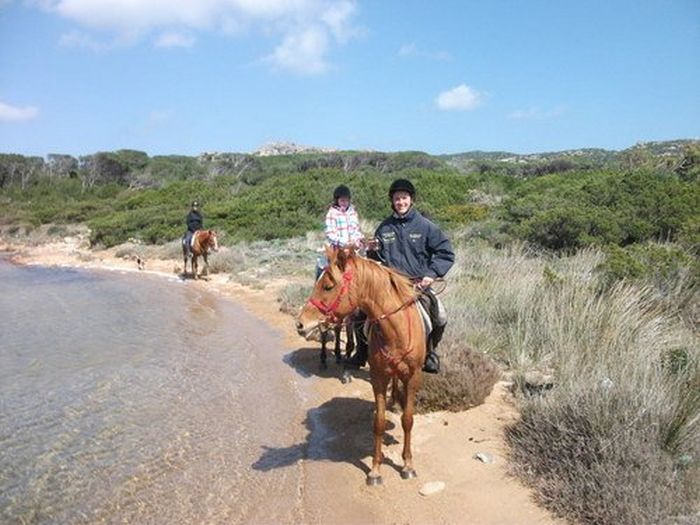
{"points": [[324, 341], [206, 264], [195, 266], [350, 331], [409, 402], [379, 386], [336, 330]]}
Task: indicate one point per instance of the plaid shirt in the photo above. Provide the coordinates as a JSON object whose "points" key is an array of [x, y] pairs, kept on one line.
{"points": [[342, 227]]}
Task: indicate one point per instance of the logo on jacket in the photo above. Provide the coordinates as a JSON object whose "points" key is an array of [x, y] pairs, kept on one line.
{"points": [[388, 237]]}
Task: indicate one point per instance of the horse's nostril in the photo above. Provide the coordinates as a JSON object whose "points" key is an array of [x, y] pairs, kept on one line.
{"points": [[299, 325]]}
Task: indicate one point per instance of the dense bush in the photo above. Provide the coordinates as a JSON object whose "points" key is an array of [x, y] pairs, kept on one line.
{"points": [[578, 209]]}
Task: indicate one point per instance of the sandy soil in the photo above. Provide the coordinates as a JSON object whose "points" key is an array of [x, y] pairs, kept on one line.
{"points": [[336, 463]]}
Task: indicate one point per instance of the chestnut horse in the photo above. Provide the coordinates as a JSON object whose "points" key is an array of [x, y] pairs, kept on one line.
{"points": [[396, 336], [202, 242]]}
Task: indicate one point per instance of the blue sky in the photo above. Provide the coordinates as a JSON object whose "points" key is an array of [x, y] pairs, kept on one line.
{"points": [[184, 77]]}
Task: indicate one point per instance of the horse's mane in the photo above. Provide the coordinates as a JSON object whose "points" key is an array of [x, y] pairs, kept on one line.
{"points": [[377, 276]]}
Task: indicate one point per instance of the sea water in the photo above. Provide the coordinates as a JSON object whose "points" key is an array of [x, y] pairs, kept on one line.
{"points": [[127, 398]]}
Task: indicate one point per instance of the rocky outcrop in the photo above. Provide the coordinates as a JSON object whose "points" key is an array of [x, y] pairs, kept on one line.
{"points": [[288, 148]]}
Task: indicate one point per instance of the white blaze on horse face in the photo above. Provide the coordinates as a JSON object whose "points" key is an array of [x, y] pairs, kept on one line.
{"points": [[215, 241]]}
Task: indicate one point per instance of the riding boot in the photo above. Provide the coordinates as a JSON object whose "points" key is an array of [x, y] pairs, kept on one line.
{"points": [[359, 358], [432, 359]]}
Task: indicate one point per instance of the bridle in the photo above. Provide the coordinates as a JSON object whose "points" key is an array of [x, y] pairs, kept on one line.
{"points": [[329, 309]]}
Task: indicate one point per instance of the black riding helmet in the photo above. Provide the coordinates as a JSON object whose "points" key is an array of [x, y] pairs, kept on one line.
{"points": [[341, 191], [402, 185]]}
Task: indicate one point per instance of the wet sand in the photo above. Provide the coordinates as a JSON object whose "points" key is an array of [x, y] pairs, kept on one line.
{"points": [[334, 440]]}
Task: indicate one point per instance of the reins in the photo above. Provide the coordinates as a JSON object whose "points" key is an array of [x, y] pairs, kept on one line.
{"points": [[328, 310]]}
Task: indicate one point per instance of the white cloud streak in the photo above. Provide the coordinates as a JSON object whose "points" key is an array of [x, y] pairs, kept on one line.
{"points": [[460, 98], [173, 39], [10, 113], [411, 50], [307, 29]]}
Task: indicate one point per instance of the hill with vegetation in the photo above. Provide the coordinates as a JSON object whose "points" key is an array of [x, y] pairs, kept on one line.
{"points": [[558, 201]]}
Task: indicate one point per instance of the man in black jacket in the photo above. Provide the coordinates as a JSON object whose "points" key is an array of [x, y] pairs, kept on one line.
{"points": [[195, 222], [415, 246]]}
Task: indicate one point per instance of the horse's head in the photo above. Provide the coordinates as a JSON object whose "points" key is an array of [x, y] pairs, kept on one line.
{"points": [[212, 241], [330, 299]]}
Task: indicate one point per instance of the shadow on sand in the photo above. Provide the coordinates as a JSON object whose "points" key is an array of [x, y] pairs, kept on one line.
{"points": [[339, 430], [307, 363]]}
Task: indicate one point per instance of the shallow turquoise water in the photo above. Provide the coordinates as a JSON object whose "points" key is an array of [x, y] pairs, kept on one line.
{"points": [[126, 398]]}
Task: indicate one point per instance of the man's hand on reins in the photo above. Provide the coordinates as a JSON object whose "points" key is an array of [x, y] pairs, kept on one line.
{"points": [[425, 282]]}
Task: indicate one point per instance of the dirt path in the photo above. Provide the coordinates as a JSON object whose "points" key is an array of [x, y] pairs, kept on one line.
{"points": [[338, 426]]}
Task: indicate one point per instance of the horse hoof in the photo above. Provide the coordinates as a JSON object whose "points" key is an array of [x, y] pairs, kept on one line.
{"points": [[346, 378], [374, 481], [408, 474]]}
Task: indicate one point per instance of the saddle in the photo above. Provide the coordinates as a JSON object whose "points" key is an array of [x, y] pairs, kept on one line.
{"points": [[184, 240]]}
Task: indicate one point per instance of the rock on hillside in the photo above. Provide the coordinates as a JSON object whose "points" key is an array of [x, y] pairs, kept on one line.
{"points": [[288, 148]]}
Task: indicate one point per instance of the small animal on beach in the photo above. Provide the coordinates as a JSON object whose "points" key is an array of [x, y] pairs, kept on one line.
{"points": [[202, 242], [397, 342]]}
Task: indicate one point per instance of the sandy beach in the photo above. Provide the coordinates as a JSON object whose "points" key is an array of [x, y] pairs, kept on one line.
{"points": [[445, 444]]}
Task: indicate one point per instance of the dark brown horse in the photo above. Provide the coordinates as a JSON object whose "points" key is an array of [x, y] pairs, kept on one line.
{"points": [[202, 242], [396, 336], [337, 330]]}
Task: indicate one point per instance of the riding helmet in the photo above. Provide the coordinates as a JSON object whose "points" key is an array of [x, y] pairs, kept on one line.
{"points": [[341, 191], [195, 204], [402, 185]]}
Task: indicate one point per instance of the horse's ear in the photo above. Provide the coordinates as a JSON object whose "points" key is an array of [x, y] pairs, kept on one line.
{"points": [[344, 255], [330, 252]]}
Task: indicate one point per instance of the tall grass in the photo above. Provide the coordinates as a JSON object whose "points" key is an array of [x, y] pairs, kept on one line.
{"points": [[616, 440]]}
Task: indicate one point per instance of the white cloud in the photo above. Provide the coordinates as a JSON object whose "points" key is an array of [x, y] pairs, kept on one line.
{"points": [[411, 50], [14, 113], [460, 98], [174, 39], [303, 53], [307, 28]]}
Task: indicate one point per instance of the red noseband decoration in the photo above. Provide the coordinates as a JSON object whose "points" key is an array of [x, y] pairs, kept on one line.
{"points": [[329, 309]]}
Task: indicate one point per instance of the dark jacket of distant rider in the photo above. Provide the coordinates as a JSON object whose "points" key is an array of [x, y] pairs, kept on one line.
{"points": [[194, 220]]}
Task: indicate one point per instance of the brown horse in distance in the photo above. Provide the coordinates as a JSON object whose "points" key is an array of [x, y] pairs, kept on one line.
{"points": [[396, 336], [202, 242]]}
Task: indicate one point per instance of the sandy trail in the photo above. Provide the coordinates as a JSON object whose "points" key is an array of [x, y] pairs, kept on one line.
{"points": [[338, 426]]}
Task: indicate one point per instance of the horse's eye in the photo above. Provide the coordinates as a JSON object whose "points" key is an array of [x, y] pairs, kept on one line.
{"points": [[328, 287]]}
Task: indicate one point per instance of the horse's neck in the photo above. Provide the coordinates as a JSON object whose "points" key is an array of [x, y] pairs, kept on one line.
{"points": [[385, 305], [201, 239]]}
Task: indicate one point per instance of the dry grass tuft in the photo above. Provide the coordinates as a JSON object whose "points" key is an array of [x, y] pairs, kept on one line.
{"points": [[467, 379], [293, 296]]}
